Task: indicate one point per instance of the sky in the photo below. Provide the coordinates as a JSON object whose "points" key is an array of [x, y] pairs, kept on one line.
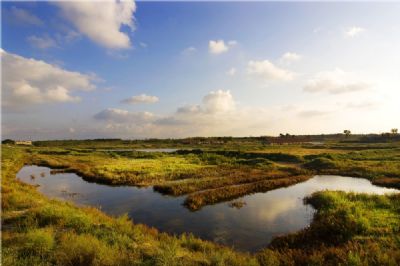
{"points": [[80, 69]]}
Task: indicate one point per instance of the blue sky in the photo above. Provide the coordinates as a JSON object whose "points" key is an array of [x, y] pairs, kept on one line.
{"points": [[178, 69]]}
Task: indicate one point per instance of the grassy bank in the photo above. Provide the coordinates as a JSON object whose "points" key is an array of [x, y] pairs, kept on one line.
{"points": [[197, 200], [348, 229]]}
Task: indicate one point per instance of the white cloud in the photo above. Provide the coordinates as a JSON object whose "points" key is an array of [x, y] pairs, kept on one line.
{"points": [[215, 114], [24, 17], [67, 35], [42, 42], [29, 81], [218, 101], [102, 21], [189, 50], [215, 102], [217, 47], [190, 109], [268, 71], [143, 44], [290, 57], [354, 31], [119, 116], [231, 72], [142, 98], [336, 82]]}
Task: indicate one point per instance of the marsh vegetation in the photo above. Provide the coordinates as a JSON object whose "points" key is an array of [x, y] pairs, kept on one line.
{"points": [[40, 231]]}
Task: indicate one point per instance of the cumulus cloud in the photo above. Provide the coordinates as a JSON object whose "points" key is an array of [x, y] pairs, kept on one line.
{"points": [[23, 17], [101, 22], [29, 81], [42, 42], [215, 114], [219, 46], [268, 71], [354, 31], [290, 57], [231, 72], [218, 101], [120, 116], [215, 102], [142, 98], [336, 82], [189, 109]]}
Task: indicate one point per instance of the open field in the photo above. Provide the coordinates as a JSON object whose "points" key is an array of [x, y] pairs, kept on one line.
{"points": [[39, 231]]}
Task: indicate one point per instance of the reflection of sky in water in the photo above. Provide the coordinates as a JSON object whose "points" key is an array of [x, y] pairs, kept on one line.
{"points": [[265, 215]]}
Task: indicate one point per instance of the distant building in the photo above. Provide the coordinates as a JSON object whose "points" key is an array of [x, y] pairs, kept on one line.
{"points": [[23, 142]]}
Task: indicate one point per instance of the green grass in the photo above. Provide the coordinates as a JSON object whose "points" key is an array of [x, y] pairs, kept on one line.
{"points": [[180, 173], [348, 229], [40, 231], [208, 176]]}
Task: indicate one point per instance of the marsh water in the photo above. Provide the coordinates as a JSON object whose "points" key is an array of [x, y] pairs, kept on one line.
{"points": [[166, 150], [265, 215]]}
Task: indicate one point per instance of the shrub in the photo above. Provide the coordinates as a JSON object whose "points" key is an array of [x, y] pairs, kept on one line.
{"points": [[38, 242], [83, 250], [320, 164], [268, 257]]}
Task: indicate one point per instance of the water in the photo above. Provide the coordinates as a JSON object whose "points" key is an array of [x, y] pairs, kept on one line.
{"points": [[265, 215], [166, 150]]}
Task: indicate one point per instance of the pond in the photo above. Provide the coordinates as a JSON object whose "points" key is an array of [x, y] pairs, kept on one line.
{"points": [[263, 217]]}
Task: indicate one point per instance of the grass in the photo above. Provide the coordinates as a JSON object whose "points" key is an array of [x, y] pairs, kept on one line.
{"points": [[207, 197], [208, 176], [348, 229], [195, 173], [40, 231]]}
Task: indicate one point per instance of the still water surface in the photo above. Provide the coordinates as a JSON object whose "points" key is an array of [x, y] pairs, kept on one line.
{"points": [[166, 150], [250, 228]]}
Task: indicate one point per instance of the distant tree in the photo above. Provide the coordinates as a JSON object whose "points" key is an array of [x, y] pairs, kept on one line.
{"points": [[394, 131], [347, 132], [8, 141]]}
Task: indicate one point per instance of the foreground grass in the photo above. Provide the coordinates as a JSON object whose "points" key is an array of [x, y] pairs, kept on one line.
{"points": [[348, 229]]}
